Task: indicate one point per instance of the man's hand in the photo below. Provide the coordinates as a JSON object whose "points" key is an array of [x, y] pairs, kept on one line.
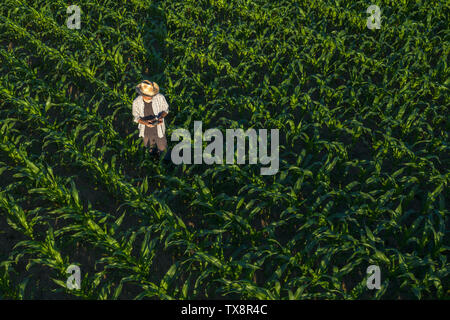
{"points": [[143, 122], [146, 123]]}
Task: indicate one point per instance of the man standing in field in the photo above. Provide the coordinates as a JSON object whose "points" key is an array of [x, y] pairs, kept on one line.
{"points": [[149, 110]]}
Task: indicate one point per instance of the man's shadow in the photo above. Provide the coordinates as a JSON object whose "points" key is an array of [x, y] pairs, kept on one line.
{"points": [[154, 31]]}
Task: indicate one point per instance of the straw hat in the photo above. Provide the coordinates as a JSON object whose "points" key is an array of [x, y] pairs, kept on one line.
{"points": [[147, 88]]}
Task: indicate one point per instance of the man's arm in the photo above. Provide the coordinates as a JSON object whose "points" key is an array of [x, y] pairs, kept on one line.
{"points": [[136, 114], [165, 109], [162, 114], [144, 122]]}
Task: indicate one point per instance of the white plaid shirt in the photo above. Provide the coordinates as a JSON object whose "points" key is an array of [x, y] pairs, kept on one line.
{"points": [[159, 104]]}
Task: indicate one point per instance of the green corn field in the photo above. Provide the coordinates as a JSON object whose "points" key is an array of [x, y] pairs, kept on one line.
{"points": [[363, 118]]}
